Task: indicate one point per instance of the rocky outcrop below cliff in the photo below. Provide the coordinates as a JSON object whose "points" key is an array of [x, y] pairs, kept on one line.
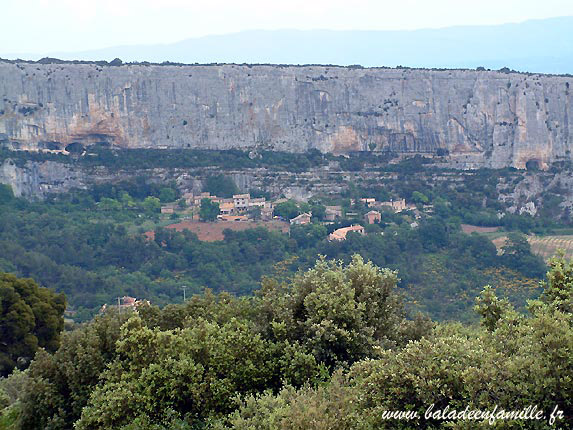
{"points": [[519, 192], [476, 118]]}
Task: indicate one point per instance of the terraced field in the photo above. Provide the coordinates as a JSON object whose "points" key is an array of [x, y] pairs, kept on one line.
{"points": [[545, 246]]}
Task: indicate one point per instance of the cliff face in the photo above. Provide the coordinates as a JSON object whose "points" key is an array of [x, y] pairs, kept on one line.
{"points": [[489, 119]]}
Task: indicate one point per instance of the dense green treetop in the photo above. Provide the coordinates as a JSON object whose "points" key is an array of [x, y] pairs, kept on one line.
{"points": [[220, 186], [209, 210], [327, 348], [30, 317], [287, 210]]}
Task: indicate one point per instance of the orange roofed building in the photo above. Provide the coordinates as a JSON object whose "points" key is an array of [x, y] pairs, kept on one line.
{"points": [[126, 302], [372, 217], [341, 233]]}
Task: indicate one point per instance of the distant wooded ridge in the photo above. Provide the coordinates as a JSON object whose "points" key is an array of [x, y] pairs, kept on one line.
{"points": [[117, 62], [539, 46]]}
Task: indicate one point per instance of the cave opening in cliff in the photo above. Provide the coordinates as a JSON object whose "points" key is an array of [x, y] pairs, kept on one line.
{"points": [[533, 165], [75, 148]]}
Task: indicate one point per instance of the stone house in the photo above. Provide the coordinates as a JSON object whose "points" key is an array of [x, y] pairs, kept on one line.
{"points": [[395, 205], [226, 207], [332, 212], [267, 213], [241, 201], [373, 217], [368, 200], [125, 303], [258, 202], [195, 200], [189, 199], [303, 218]]}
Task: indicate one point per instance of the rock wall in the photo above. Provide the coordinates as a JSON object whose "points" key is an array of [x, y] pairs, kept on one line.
{"points": [[479, 118], [37, 180]]}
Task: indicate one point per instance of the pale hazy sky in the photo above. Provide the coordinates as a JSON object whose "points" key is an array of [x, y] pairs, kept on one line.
{"points": [[43, 26]]}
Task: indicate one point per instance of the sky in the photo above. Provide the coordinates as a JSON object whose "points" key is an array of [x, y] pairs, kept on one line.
{"points": [[44, 26]]}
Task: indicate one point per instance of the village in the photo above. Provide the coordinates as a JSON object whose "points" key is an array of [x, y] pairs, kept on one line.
{"points": [[242, 211]]}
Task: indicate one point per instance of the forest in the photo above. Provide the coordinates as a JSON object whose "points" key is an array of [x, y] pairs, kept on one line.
{"points": [[330, 347], [90, 246]]}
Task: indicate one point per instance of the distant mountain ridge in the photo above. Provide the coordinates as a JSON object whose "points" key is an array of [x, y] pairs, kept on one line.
{"points": [[539, 46]]}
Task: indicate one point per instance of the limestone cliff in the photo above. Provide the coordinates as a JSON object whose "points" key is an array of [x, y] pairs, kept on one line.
{"points": [[479, 118]]}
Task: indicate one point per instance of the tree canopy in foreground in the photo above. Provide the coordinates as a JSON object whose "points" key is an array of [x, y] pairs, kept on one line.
{"points": [[327, 348], [30, 317]]}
